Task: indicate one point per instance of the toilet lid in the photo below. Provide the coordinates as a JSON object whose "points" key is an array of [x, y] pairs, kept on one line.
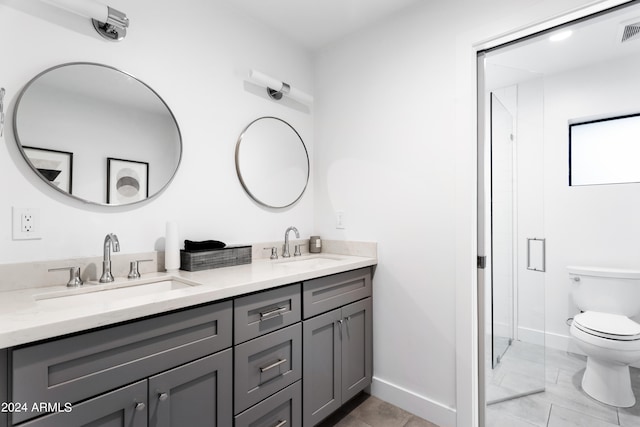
{"points": [[613, 326]]}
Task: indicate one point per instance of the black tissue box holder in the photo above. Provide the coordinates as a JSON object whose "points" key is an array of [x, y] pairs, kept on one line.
{"points": [[215, 258]]}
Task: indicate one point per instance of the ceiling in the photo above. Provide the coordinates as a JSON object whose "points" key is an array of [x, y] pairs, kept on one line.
{"points": [[317, 23], [592, 41]]}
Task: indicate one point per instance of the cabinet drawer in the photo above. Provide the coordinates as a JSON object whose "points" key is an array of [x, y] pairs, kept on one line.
{"points": [[122, 407], [326, 293], [265, 312], [77, 367], [266, 365], [282, 409]]}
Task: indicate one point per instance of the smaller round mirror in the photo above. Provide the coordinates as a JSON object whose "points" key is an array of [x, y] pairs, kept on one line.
{"points": [[272, 162]]}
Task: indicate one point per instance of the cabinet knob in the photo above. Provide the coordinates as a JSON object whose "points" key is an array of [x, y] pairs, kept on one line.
{"points": [[163, 396], [140, 406]]}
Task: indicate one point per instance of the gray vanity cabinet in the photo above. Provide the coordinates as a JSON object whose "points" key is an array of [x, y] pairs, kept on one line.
{"points": [[196, 394], [337, 345], [126, 406], [288, 356]]}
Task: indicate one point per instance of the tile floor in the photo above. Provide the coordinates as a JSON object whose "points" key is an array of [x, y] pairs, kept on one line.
{"points": [[562, 404], [368, 411]]}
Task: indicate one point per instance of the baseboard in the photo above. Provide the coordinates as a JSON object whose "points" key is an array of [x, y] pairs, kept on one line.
{"points": [[421, 406]]}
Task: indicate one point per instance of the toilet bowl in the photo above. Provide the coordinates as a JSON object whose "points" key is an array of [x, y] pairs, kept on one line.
{"points": [[604, 331], [611, 343]]}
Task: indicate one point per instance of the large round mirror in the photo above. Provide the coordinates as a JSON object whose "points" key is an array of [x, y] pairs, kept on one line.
{"points": [[97, 134], [272, 162]]}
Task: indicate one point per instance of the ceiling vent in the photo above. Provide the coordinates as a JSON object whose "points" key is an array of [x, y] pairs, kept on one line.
{"points": [[630, 32]]}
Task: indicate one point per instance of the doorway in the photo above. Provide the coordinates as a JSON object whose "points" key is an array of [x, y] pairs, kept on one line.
{"points": [[536, 224]]}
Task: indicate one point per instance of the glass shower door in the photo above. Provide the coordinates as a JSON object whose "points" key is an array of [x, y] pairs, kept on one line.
{"points": [[516, 325], [502, 225]]}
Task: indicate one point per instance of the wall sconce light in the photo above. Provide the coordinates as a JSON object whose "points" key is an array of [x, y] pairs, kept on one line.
{"points": [[276, 88], [108, 22]]}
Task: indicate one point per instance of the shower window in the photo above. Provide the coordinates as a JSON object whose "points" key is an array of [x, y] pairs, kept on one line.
{"points": [[605, 151]]}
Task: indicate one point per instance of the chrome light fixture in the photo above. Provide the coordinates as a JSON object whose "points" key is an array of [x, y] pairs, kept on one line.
{"points": [[276, 88], [108, 22]]}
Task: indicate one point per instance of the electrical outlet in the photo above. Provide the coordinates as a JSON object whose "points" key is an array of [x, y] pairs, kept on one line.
{"points": [[340, 220], [26, 224]]}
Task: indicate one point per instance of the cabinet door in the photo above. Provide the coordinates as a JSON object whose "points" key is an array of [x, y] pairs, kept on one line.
{"points": [[321, 367], [195, 394], [356, 348], [123, 407]]}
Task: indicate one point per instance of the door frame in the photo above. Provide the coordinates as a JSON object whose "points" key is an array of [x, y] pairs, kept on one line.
{"points": [[470, 286]]}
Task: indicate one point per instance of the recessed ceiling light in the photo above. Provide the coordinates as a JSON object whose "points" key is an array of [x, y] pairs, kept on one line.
{"points": [[561, 36]]}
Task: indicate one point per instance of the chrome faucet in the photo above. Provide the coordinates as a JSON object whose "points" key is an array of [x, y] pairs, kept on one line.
{"points": [[285, 249], [109, 241]]}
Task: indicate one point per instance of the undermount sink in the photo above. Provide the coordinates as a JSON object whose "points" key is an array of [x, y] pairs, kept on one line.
{"points": [[89, 294], [313, 261]]}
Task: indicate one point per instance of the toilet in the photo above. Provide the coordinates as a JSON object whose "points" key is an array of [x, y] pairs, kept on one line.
{"points": [[605, 332]]}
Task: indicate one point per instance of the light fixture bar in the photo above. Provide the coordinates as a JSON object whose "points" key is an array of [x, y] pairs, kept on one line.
{"points": [[110, 23], [277, 88]]}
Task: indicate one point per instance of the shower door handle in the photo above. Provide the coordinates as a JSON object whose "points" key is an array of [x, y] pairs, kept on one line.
{"points": [[536, 254]]}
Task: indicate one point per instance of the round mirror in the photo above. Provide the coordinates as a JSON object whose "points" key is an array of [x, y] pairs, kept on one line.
{"points": [[97, 134], [272, 162]]}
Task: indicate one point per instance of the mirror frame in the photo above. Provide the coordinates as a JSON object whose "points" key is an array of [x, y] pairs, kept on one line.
{"points": [[39, 175], [244, 184]]}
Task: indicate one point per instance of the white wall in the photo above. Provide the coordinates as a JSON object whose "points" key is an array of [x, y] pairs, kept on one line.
{"points": [[586, 225], [196, 57], [403, 171]]}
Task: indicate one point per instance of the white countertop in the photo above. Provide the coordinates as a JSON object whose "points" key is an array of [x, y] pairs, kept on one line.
{"points": [[38, 313]]}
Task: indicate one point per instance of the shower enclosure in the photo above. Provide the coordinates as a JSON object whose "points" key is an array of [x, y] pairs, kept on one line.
{"points": [[514, 242]]}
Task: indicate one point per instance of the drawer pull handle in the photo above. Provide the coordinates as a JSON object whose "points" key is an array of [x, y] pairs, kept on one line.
{"points": [[163, 396], [280, 423], [140, 406], [273, 365], [264, 315]]}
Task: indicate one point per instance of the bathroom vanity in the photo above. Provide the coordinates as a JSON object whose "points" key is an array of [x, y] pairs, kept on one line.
{"points": [[283, 345]]}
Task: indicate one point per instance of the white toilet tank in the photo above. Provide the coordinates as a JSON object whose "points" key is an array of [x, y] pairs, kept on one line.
{"points": [[608, 290]]}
